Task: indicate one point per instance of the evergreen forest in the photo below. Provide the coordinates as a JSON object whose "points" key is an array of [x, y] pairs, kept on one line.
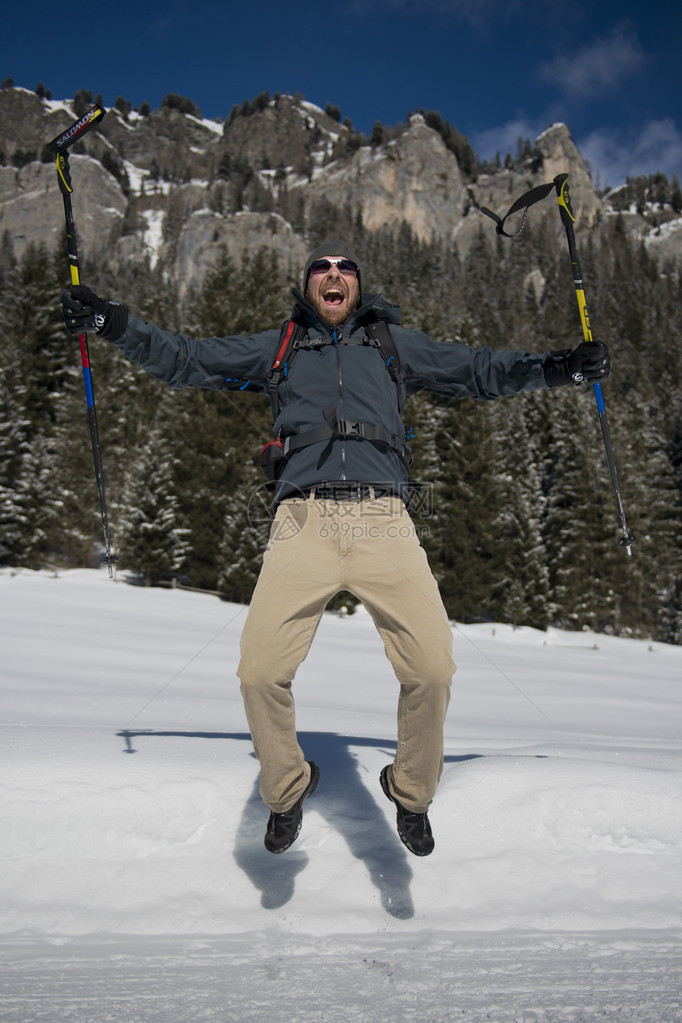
{"points": [[515, 509]]}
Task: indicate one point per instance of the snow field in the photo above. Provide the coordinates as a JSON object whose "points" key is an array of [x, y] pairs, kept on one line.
{"points": [[135, 886]]}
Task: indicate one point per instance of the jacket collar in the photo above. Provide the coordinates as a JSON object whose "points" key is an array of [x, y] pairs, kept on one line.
{"points": [[374, 307]]}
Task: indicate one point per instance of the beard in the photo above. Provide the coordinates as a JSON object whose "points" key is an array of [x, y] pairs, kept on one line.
{"points": [[333, 315]]}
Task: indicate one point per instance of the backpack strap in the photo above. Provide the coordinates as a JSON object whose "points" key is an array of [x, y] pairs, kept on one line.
{"points": [[380, 332], [290, 336]]}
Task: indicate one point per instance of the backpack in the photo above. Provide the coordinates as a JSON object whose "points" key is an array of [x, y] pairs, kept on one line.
{"points": [[291, 336]]}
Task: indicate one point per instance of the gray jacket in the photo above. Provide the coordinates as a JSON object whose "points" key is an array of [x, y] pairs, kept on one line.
{"points": [[335, 368]]}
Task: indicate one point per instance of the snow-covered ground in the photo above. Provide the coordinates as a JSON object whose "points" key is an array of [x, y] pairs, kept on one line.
{"points": [[134, 885]]}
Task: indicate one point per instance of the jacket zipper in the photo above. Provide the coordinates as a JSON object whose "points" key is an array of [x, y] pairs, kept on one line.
{"points": [[335, 339]]}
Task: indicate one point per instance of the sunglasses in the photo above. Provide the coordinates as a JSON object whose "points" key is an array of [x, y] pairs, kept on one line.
{"points": [[323, 266]]}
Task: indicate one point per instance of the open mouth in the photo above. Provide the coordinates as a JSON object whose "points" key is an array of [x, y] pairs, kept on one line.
{"points": [[333, 296]]}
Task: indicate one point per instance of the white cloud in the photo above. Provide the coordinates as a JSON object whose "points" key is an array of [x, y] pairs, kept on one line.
{"points": [[615, 154], [600, 66], [479, 15], [503, 139]]}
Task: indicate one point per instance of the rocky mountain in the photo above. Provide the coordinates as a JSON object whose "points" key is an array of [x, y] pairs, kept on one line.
{"points": [[172, 188]]}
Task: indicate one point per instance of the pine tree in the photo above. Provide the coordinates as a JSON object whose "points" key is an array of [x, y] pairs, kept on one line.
{"points": [[38, 369], [15, 540], [521, 589], [428, 507], [28, 503], [31, 319], [462, 543], [482, 325], [578, 523], [215, 435], [245, 536], [650, 587], [152, 542]]}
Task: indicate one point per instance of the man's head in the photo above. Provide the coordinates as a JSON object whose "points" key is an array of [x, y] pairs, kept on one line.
{"points": [[331, 282]]}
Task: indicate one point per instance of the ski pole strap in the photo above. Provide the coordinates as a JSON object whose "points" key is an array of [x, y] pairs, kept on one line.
{"points": [[524, 201]]}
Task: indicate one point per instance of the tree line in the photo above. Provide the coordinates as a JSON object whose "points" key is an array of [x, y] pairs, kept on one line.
{"points": [[512, 498]]}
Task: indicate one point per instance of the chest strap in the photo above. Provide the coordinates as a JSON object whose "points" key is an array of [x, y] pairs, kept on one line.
{"points": [[347, 429]]}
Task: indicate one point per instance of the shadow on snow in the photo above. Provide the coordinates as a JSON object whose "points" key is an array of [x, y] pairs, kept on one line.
{"points": [[342, 799]]}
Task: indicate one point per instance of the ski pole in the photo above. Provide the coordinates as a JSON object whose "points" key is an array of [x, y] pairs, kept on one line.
{"points": [[568, 219], [60, 146], [537, 194]]}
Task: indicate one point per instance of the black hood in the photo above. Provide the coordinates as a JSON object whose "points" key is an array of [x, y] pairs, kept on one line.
{"points": [[331, 248]]}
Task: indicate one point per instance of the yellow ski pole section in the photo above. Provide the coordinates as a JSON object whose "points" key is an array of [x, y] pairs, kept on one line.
{"points": [[568, 220]]}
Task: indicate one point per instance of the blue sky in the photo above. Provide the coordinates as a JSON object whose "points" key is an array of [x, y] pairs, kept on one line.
{"points": [[497, 70]]}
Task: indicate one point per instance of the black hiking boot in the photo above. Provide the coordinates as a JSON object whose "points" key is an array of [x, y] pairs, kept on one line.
{"points": [[283, 828], [414, 829]]}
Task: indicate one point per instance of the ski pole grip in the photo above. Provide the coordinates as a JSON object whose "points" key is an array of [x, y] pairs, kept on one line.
{"points": [[564, 199], [77, 130], [63, 173]]}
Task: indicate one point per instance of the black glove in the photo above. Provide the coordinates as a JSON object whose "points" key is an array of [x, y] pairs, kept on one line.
{"points": [[84, 312], [589, 361]]}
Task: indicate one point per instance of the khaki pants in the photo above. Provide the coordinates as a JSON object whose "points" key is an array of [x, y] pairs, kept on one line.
{"points": [[370, 548]]}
